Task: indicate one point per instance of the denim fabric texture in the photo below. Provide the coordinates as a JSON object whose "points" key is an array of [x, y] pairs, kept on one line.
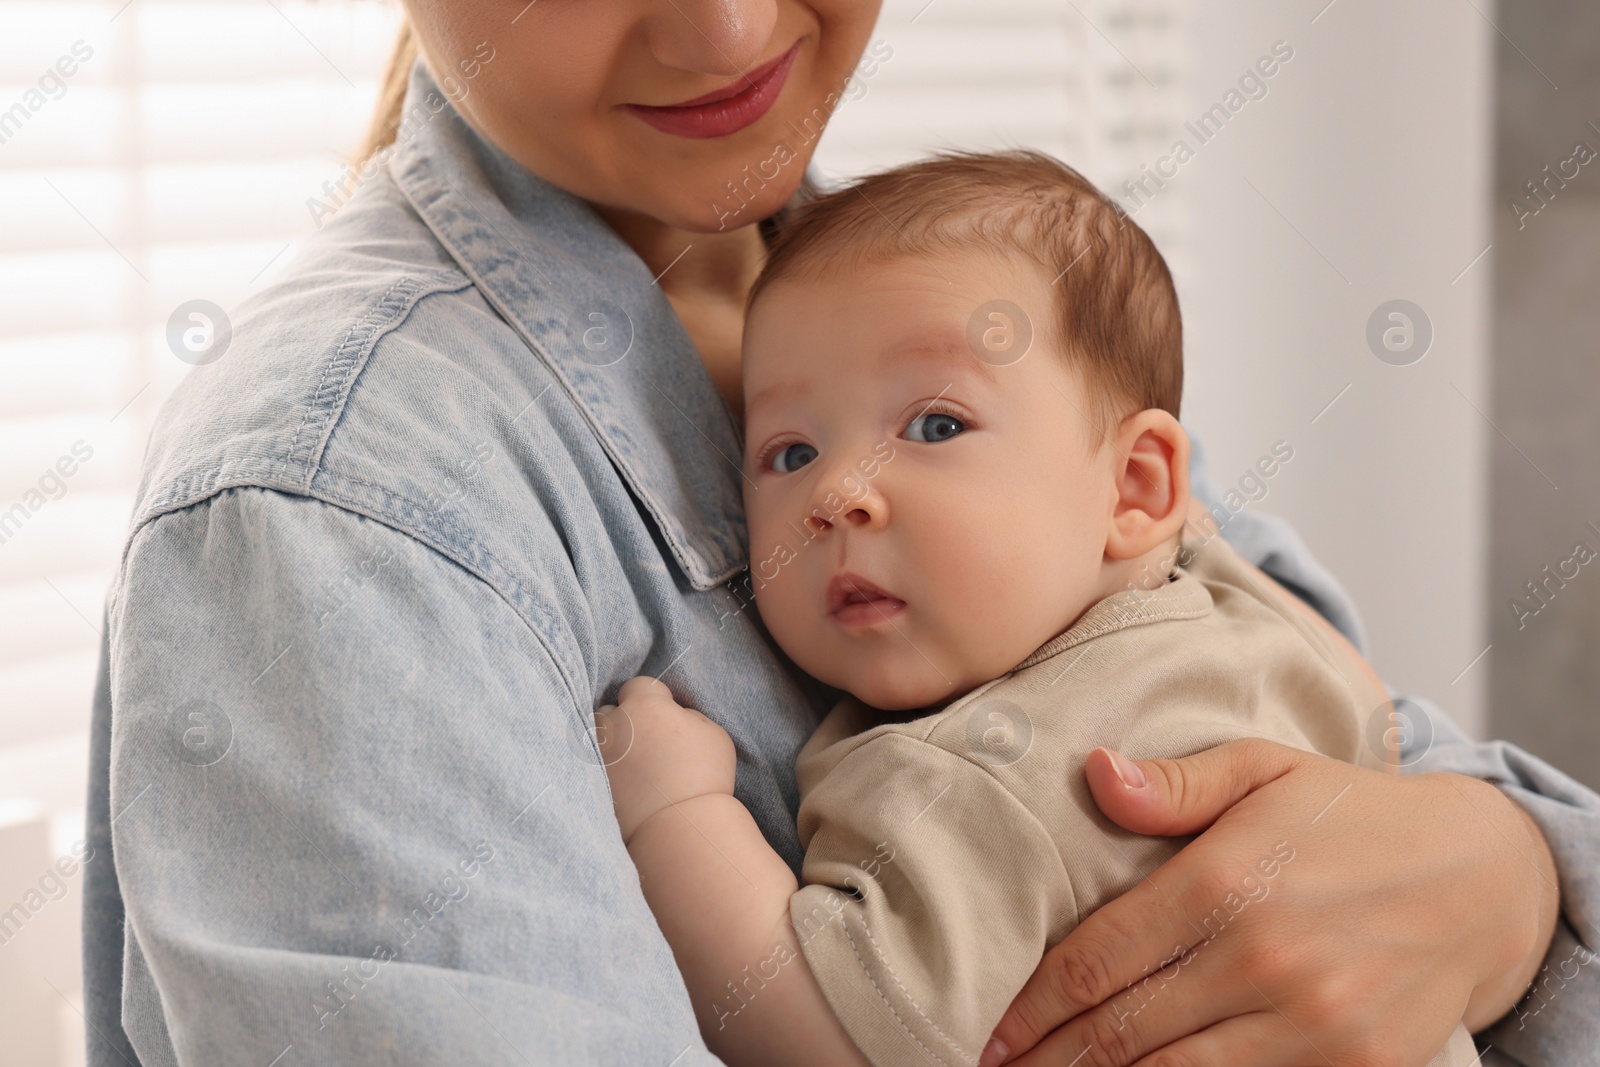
{"points": [[386, 558]]}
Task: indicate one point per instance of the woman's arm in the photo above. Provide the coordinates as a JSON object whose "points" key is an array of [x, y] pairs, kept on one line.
{"points": [[352, 814], [718, 890]]}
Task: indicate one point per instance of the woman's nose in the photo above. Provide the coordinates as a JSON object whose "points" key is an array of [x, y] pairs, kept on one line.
{"points": [[722, 37]]}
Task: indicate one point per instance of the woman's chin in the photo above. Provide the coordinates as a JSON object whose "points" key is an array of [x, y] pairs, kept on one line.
{"points": [[740, 199]]}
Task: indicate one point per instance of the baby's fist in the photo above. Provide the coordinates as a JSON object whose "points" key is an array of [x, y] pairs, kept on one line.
{"points": [[658, 753]]}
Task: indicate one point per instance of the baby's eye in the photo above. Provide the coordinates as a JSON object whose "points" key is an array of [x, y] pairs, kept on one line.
{"points": [[791, 458], [934, 427]]}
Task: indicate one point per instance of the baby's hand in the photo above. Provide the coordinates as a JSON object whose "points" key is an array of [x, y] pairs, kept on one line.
{"points": [[658, 753]]}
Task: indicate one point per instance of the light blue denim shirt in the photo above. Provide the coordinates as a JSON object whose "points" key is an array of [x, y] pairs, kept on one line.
{"points": [[460, 474]]}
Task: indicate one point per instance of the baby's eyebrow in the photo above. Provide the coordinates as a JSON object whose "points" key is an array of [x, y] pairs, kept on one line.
{"points": [[942, 347], [776, 391], [947, 349]]}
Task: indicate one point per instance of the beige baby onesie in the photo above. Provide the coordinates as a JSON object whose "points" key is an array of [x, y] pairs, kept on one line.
{"points": [[946, 853]]}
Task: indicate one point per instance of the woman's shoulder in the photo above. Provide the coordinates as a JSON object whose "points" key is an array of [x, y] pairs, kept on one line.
{"points": [[357, 377]]}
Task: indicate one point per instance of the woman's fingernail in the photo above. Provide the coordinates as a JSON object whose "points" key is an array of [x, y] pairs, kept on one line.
{"points": [[1128, 772], [994, 1053]]}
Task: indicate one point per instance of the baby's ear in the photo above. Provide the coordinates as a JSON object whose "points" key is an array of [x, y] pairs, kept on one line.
{"points": [[1151, 467]]}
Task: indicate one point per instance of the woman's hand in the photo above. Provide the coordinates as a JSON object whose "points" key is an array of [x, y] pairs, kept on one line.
{"points": [[658, 753], [1410, 903]]}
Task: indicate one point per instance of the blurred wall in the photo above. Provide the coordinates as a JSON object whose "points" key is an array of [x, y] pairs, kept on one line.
{"points": [[1544, 671], [1362, 177]]}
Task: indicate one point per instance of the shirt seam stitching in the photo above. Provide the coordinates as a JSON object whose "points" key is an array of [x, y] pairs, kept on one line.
{"points": [[348, 359], [443, 550], [1117, 626], [867, 930], [867, 971]]}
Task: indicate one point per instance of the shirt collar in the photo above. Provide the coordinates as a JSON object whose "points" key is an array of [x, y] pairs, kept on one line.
{"points": [[588, 307], [1182, 597]]}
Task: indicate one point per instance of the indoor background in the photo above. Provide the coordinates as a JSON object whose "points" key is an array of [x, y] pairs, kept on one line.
{"points": [[1419, 160]]}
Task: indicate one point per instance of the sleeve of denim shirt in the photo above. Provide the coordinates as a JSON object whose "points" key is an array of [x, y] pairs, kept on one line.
{"points": [[340, 845], [1558, 1022]]}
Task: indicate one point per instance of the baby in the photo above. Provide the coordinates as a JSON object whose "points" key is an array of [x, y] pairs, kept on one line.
{"points": [[968, 501]]}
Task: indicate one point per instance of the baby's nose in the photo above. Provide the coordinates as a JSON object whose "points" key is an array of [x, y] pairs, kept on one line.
{"points": [[870, 512]]}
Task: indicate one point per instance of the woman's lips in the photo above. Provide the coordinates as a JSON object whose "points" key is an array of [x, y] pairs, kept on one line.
{"points": [[854, 601], [726, 110]]}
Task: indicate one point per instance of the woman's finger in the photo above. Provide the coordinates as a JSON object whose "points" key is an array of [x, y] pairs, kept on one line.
{"points": [[1256, 1039], [1184, 796], [1113, 948], [1260, 1039], [1151, 923], [1196, 991]]}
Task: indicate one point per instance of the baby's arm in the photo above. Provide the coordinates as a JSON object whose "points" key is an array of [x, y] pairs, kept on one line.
{"points": [[718, 890]]}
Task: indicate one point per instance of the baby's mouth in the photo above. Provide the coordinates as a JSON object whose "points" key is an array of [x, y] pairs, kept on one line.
{"points": [[854, 601]]}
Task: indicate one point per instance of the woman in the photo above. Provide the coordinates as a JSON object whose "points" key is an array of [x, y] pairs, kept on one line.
{"points": [[471, 465]]}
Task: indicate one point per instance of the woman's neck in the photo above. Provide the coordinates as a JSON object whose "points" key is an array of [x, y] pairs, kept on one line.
{"points": [[706, 277]]}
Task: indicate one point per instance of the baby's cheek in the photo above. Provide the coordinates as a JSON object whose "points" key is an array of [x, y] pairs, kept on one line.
{"points": [[990, 607], [781, 595], [791, 608]]}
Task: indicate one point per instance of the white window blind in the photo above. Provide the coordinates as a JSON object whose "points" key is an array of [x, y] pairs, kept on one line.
{"points": [[1101, 84], [175, 162]]}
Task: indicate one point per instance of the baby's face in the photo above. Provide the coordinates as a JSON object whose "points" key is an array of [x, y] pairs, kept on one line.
{"points": [[921, 519]]}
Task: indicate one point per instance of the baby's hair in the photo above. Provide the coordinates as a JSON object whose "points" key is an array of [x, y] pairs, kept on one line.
{"points": [[1115, 310]]}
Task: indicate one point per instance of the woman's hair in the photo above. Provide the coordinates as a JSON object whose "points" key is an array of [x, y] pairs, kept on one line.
{"points": [[1115, 308], [385, 123]]}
